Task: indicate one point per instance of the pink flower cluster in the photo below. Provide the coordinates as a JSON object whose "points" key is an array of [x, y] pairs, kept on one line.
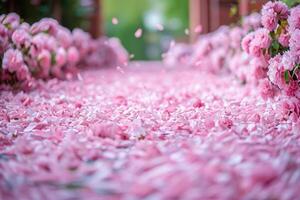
{"points": [[257, 42], [46, 49], [264, 48], [272, 13], [278, 44], [220, 51], [209, 52]]}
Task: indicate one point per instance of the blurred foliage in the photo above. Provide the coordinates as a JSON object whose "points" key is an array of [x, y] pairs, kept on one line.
{"points": [[132, 15], [233, 10], [291, 3], [73, 13]]}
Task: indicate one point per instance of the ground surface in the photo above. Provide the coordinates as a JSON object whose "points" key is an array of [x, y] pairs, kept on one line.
{"points": [[146, 133]]}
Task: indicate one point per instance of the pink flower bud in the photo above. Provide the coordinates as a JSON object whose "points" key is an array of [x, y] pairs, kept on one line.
{"points": [[21, 38], [44, 59], [294, 18], [12, 60], [22, 72], [60, 57], [72, 55]]}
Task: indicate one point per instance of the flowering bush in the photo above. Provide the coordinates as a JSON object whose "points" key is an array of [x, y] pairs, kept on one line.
{"points": [[265, 47], [278, 44], [220, 51], [46, 49]]}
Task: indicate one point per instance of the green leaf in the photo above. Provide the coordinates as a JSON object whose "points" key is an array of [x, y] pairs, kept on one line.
{"points": [[52, 58], [275, 45], [291, 3], [286, 76], [272, 33], [274, 49]]}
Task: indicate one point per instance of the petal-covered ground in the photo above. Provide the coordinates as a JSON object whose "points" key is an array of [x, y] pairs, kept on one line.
{"points": [[146, 132]]}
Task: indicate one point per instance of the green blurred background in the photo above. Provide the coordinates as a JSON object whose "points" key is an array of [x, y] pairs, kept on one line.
{"points": [[146, 14], [131, 14]]}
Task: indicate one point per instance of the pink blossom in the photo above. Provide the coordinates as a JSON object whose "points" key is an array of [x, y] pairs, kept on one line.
{"points": [[281, 9], [295, 44], [276, 72], [60, 57], [3, 38], [294, 19], [12, 60], [21, 38], [64, 37], [272, 12], [255, 48], [45, 25], [25, 26], [51, 43], [267, 90], [23, 72], [263, 37], [44, 60], [44, 41], [247, 41], [12, 20], [38, 41], [46, 46], [292, 88], [80, 36], [255, 42], [289, 105], [198, 104], [179, 54], [121, 53], [72, 55], [225, 123], [288, 61], [284, 38], [260, 67], [236, 35], [81, 41], [269, 20], [251, 22]]}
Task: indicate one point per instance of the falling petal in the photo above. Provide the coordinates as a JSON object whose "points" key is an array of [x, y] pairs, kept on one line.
{"points": [[186, 31], [198, 29], [138, 33], [159, 27], [115, 21]]}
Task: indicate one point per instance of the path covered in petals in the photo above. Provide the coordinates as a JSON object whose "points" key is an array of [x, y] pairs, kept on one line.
{"points": [[146, 132]]}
